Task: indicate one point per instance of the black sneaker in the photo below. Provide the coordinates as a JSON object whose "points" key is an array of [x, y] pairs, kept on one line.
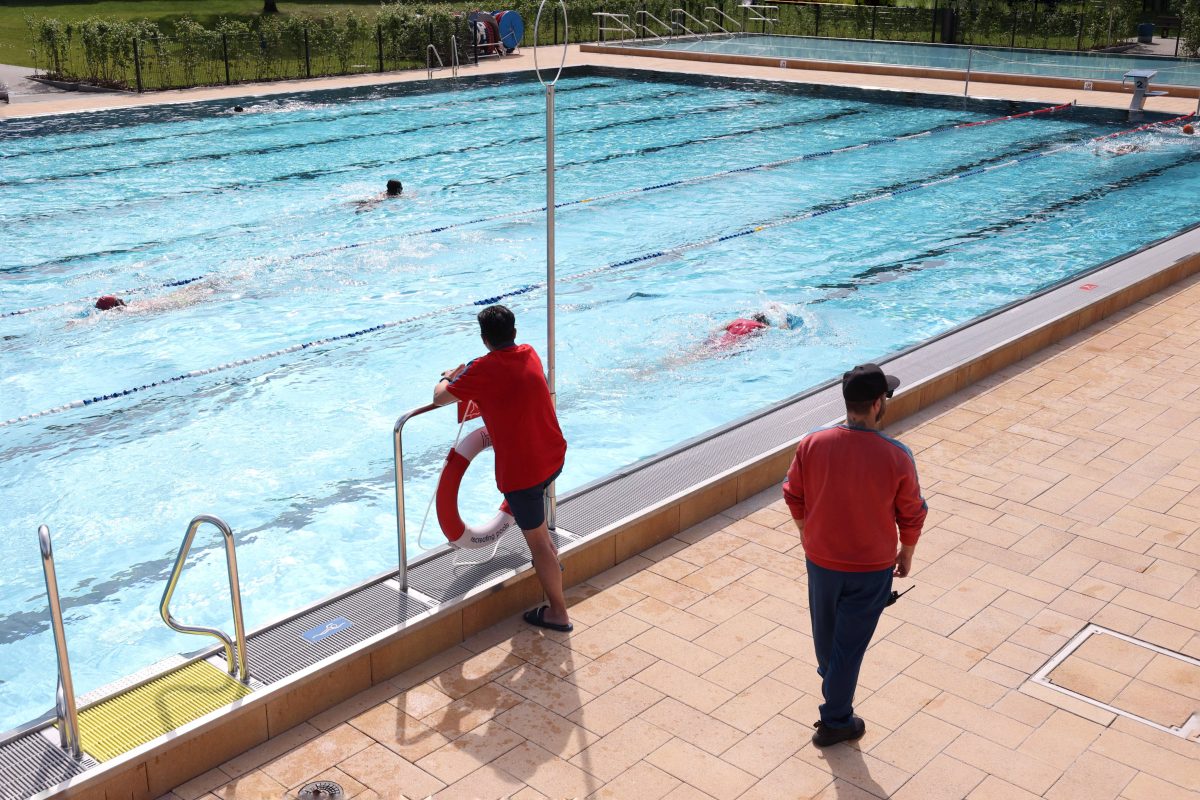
{"points": [[826, 736]]}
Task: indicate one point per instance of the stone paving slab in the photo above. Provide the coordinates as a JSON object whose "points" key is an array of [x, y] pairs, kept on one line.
{"points": [[679, 685]]}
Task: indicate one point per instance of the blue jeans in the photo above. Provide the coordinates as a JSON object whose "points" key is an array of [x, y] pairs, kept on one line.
{"points": [[844, 607]]}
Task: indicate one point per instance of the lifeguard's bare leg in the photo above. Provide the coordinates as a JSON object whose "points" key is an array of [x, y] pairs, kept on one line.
{"points": [[549, 572]]}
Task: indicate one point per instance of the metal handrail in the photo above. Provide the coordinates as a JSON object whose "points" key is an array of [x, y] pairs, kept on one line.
{"points": [[239, 628], [643, 13], [754, 13], [429, 61], [726, 16], [398, 454], [683, 13], [620, 20], [453, 56], [64, 696]]}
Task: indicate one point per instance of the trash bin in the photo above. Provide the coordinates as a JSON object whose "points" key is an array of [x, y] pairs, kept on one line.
{"points": [[1145, 33]]}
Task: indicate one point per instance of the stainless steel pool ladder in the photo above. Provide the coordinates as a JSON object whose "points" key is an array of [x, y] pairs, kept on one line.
{"points": [[431, 52], [678, 14], [760, 13], [453, 56], [64, 699], [721, 15], [607, 23], [238, 668], [640, 17]]}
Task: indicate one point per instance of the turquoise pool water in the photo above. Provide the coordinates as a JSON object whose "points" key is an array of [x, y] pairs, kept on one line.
{"points": [[295, 450], [1056, 63]]}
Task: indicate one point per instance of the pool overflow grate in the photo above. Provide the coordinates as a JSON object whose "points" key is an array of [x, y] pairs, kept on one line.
{"points": [[31, 764], [285, 649], [1128, 677]]}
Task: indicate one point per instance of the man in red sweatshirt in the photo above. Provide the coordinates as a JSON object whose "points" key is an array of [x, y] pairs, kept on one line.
{"points": [[853, 493]]}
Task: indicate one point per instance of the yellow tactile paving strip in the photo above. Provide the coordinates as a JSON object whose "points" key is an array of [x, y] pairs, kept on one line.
{"points": [[1063, 490], [140, 715]]}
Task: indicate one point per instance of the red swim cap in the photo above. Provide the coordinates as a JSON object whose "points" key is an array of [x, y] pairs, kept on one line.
{"points": [[108, 301]]}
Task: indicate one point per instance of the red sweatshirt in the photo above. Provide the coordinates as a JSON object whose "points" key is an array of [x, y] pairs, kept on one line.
{"points": [[853, 488]]}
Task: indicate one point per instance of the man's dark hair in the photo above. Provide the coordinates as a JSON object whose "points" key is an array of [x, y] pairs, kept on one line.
{"points": [[497, 326], [394, 187], [761, 317], [860, 408]]}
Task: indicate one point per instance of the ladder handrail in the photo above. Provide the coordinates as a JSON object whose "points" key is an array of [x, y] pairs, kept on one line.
{"points": [[429, 48], [683, 12], [64, 695], [453, 56], [239, 628], [620, 20], [726, 16], [398, 456], [643, 13], [755, 13]]}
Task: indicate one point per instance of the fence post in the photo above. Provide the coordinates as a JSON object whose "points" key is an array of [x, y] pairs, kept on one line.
{"points": [[874, 14], [1079, 36], [1012, 37], [556, 30], [817, 20], [933, 30], [379, 44], [137, 66], [225, 54], [307, 58]]}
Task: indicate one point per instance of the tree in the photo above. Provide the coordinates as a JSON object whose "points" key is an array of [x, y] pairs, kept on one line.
{"points": [[269, 7]]}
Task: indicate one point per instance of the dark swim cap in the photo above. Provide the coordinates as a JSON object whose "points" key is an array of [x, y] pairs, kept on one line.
{"points": [[109, 301]]}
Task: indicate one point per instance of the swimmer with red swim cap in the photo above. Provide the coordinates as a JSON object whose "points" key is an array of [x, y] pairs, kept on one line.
{"points": [[108, 302], [1188, 129]]}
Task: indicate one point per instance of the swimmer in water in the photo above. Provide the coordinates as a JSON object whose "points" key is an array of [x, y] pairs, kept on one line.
{"points": [[190, 295], [1188, 129], [109, 302], [726, 338], [394, 189]]}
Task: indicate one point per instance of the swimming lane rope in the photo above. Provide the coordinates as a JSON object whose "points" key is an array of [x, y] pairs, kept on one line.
{"points": [[588, 273], [607, 196]]}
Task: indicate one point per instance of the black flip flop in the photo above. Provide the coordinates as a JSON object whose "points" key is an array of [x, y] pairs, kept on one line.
{"points": [[537, 617]]}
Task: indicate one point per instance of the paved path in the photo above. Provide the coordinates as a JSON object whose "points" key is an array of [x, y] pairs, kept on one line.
{"points": [[1064, 490]]}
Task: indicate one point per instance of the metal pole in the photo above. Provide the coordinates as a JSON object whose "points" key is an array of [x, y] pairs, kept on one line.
{"points": [[817, 23], [551, 517], [933, 29], [1012, 38], [137, 66], [379, 44], [1079, 35], [874, 14], [68, 717], [307, 58], [967, 85], [225, 55]]}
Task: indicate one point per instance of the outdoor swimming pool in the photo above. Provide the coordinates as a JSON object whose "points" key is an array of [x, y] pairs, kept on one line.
{"points": [[294, 451], [1012, 61]]}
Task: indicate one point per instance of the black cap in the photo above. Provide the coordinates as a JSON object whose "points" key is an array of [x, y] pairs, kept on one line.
{"points": [[867, 382]]}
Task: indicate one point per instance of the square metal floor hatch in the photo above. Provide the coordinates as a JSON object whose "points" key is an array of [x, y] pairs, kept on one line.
{"points": [[1129, 677]]}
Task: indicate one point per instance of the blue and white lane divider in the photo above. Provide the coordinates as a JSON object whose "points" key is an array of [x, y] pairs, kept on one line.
{"points": [[599, 198], [645, 257]]}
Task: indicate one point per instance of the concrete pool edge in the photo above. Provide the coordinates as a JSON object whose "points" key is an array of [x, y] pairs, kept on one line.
{"points": [[157, 766], [868, 68]]}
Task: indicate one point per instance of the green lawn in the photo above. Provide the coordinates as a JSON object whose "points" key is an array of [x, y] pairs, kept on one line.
{"points": [[14, 38]]}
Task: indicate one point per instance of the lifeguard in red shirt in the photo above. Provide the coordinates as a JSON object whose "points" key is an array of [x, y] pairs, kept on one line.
{"points": [[509, 387]]}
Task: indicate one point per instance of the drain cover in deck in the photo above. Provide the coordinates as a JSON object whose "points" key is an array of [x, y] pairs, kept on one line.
{"points": [[1129, 677]]}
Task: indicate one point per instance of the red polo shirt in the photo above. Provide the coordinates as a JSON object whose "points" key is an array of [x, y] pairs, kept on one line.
{"points": [[510, 389], [854, 489]]}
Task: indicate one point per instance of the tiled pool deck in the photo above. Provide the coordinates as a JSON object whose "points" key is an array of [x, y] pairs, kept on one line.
{"points": [[1063, 490]]}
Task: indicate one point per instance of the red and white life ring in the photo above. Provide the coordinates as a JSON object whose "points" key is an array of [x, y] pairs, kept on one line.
{"points": [[458, 533]]}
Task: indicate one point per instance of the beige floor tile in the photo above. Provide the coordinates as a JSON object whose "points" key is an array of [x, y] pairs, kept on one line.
{"points": [[711, 547], [992, 788], [254, 785], [615, 707], [722, 572], [270, 750], [692, 726], [770, 746], [670, 592], [885, 659], [968, 598], [1061, 739], [200, 785], [1173, 674], [389, 774], [669, 618], [694, 691], [642, 781], [1016, 768], [898, 700], [615, 666], [710, 775], [1155, 703], [790, 642], [969, 687], [1089, 679], [467, 676], [620, 750], [466, 754], [542, 651], [988, 629], [770, 584], [421, 700], [556, 694], [1148, 787], [546, 772], [938, 647], [791, 779], [348, 709], [603, 605], [998, 673], [756, 704], [548, 730], [981, 721], [943, 778], [317, 755], [1092, 777], [751, 663], [780, 537], [485, 782], [726, 603], [915, 743], [685, 791], [468, 713], [399, 732], [674, 650], [617, 574], [732, 635], [431, 667], [853, 766], [672, 568], [608, 634]]}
